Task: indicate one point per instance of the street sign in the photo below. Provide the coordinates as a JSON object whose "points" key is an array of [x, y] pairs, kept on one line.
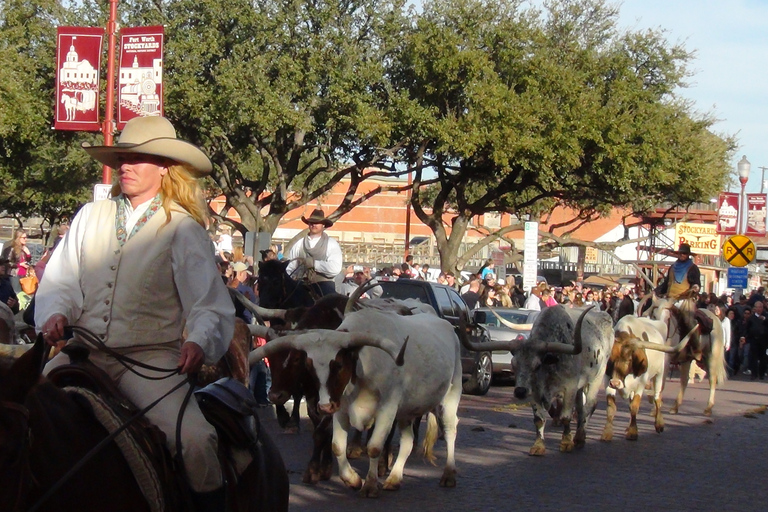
{"points": [[739, 251], [738, 277]]}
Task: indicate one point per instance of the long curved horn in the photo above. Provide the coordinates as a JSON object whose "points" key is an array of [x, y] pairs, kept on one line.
{"points": [[565, 348], [256, 309], [357, 339], [666, 348], [354, 297], [297, 341], [511, 325]]}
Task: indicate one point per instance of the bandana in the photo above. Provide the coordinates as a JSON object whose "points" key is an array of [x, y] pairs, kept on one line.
{"points": [[680, 269], [122, 214]]}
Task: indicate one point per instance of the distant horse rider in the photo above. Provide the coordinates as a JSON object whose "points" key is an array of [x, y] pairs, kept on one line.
{"points": [[318, 257], [683, 276]]}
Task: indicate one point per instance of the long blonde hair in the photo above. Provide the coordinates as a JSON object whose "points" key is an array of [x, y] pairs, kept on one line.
{"points": [[179, 186]]}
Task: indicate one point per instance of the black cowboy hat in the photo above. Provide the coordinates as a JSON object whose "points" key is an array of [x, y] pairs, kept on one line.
{"points": [[685, 249], [317, 217]]}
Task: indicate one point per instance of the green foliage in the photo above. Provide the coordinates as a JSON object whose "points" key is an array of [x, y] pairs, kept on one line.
{"points": [[44, 173], [517, 111]]}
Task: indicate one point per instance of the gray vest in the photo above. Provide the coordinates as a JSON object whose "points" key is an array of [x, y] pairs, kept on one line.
{"points": [[129, 294]]}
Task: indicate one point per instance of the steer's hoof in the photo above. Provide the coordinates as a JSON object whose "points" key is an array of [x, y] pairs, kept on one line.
{"points": [[370, 489], [659, 427], [538, 448], [607, 435], [352, 480], [355, 452], [708, 411], [392, 485], [631, 434], [673, 410], [449, 478], [566, 446], [581, 439], [311, 476]]}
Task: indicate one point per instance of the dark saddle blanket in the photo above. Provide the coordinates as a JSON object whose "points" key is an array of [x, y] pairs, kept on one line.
{"points": [[705, 322]]}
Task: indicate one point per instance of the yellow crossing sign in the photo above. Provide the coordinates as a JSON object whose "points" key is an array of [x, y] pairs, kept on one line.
{"points": [[739, 251]]}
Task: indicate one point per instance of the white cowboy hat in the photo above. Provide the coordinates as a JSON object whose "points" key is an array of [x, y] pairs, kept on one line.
{"points": [[155, 136]]}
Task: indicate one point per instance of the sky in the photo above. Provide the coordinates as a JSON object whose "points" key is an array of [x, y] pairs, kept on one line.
{"points": [[730, 67]]}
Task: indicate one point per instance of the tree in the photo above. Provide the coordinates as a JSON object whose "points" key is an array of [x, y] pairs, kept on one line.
{"points": [[288, 97], [518, 110], [44, 172]]}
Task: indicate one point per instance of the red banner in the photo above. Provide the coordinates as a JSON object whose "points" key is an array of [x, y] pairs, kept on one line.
{"points": [[727, 213], [140, 78], [78, 57], [755, 215]]}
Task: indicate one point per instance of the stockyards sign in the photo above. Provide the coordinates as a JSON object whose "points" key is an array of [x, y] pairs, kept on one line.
{"points": [[702, 238], [141, 73]]}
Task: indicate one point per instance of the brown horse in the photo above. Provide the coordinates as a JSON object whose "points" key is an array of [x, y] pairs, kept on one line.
{"points": [[45, 431]]}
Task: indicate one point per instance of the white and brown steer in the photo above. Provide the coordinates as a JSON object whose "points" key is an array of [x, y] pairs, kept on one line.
{"points": [[637, 360]]}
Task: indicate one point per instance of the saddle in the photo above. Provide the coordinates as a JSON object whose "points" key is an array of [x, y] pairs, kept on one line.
{"points": [[81, 374], [705, 322]]}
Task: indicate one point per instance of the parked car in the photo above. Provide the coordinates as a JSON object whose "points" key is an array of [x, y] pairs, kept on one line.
{"points": [[477, 367], [497, 331]]}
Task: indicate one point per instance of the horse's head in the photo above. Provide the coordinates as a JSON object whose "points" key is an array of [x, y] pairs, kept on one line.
{"points": [[277, 290]]}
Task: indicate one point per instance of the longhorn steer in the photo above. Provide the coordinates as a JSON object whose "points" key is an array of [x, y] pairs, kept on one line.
{"points": [[561, 365], [361, 384], [637, 359]]}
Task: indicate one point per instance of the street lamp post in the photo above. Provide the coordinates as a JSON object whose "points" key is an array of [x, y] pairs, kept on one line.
{"points": [[743, 168]]}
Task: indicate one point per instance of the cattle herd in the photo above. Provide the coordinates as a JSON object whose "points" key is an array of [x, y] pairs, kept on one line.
{"points": [[380, 365]]}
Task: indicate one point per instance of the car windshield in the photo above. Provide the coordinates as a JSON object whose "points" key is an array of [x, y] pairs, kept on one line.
{"points": [[516, 317]]}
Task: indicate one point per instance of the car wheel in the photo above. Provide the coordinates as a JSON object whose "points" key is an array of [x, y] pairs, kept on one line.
{"points": [[479, 381]]}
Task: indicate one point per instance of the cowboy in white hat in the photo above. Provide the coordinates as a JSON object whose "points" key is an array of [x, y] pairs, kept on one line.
{"points": [[135, 270], [318, 257]]}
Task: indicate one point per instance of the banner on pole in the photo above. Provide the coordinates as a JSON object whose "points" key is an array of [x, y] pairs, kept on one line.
{"points": [[727, 213], [78, 57], [140, 77], [755, 215]]}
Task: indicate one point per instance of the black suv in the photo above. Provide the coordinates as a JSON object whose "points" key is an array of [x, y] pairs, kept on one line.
{"points": [[476, 367]]}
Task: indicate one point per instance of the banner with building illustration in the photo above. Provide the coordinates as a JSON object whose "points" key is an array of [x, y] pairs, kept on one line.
{"points": [[702, 238], [755, 215], [140, 77], [727, 213], [78, 57]]}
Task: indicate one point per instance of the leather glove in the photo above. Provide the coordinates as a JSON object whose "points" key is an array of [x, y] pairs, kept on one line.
{"points": [[309, 262]]}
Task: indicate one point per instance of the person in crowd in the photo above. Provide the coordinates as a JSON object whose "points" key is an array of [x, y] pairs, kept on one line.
{"points": [[534, 301], [578, 300], [546, 296], [405, 271], [152, 229], [317, 257], [518, 297], [7, 293], [487, 269], [589, 299], [683, 275], [732, 355], [502, 292], [626, 306], [60, 232], [19, 256], [756, 336], [240, 280], [450, 280], [472, 296], [757, 296], [425, 272], [489, 297]]}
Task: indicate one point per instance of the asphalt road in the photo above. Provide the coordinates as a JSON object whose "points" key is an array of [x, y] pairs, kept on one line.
{"points": [[697, 463]]}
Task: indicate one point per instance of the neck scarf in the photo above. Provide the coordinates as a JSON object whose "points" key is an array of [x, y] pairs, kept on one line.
{"points": [[680, 269], [122, 215]]}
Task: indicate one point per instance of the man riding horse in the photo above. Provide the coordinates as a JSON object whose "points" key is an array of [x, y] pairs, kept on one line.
{"points": [[682, 282], [317, 258], [136, 270]]}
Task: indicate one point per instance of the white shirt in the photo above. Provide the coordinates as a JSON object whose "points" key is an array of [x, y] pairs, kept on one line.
{"points": [[331, 266], [63, 294], [532, 302], [726, 322]]}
